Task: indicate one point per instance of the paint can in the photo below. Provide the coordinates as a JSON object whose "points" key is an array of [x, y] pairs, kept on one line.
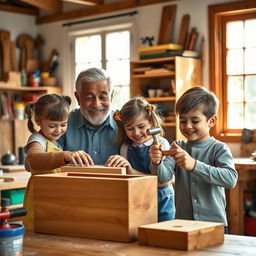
{"points": [[11, 240]]}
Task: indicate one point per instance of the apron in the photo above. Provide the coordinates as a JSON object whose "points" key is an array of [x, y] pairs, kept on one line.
{"points": [[28, 220]]}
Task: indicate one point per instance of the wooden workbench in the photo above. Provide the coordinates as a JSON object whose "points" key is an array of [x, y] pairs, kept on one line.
{"points": [[20, 180], [246, 169], [49, 245]]}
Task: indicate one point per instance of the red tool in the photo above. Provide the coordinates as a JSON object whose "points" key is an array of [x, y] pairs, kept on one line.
{"points": [[5, 213]]}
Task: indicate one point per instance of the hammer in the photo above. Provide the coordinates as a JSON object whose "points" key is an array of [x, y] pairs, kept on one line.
{"points": [[154, 131]]}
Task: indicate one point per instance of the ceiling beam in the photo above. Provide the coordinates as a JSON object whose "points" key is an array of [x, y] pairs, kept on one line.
{"points": [[53, 6], [15, 9], [101, 9], [85, 2]]}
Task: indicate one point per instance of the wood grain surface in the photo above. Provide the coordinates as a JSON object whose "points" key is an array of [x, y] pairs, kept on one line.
{"points": [[182, 234], [94, 169], [49, 245], [99, 206], [167, 24]]}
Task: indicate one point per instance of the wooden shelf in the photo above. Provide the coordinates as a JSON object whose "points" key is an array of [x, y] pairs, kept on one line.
{"points": [[173, 75], [154, 60], [169, 124], [171, 98], [29, 89], [156, 75]]}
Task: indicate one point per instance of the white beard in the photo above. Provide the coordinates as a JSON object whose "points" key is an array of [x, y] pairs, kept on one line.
{"points": [[96, 120]]}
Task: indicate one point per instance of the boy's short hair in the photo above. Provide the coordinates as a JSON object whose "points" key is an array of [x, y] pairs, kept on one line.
{"points": [[197, 97]]}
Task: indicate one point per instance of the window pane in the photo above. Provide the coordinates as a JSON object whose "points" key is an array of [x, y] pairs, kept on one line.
{"points": [[249, 33], [235, 116], [121, 95], [235, 88], [118, 45], [250, 61], [119, 72], [235, 34], [250, 117], [88, 48], [250, 88], [235, 62], [83, 66]]}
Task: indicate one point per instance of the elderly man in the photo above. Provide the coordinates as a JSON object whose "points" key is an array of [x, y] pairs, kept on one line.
{"points": [[91, 127]]}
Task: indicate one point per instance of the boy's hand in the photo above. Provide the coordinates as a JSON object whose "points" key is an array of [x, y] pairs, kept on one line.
{"points": [[182, 158], [119, 161], [78, 158], [155, 154]]}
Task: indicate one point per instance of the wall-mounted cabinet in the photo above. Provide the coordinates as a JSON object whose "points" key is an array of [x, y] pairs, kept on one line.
{"points": [[162, 81]]}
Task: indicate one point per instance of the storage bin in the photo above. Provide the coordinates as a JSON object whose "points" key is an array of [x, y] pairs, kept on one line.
{"points": [[16, 196]]}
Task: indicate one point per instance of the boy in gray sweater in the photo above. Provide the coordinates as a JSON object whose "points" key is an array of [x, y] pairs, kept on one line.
{"points": [[203, 166]]}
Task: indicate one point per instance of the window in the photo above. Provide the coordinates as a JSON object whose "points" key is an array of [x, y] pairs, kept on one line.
{"points": [[110, 50], [233, 67]]}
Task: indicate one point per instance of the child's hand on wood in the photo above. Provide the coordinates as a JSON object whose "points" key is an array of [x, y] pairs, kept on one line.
{"points": [[119, 161], [155, 154], [78, 158], [182, 158]]}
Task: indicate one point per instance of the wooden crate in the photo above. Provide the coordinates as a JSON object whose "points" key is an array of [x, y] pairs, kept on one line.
{"points": [[181, 234], [98, 206], [94, 169]]}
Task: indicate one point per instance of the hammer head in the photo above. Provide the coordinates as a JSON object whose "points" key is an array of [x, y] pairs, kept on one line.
{"points": [[154, 131]]}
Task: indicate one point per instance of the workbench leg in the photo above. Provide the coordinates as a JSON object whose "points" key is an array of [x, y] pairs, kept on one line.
{"points": [[236, 209]]}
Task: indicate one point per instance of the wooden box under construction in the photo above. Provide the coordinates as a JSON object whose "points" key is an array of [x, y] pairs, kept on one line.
{"points": [[94, 169], [181, 234], [98, 206]]}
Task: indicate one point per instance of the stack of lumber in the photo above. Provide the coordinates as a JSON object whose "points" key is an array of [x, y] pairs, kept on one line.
{"points": [[160, 51]]}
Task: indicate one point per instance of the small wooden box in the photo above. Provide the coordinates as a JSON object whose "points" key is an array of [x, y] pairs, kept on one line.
{"points": [[94, 169], [98, 206], [181, 234]]}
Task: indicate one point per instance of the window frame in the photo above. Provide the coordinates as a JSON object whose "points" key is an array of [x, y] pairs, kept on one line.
{"points": [[69, 33], [218, 15]]}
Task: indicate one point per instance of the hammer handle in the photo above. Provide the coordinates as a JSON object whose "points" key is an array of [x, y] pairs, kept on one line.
{"points": [[156, 142], [168, 152]]}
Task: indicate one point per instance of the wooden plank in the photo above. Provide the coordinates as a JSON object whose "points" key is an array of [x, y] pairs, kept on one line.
{"points": [[23, 10], [6, 52], [97, 206], [94, 169], [21, 134], [167, 24], [182, 234], [6, 179], [14, 60], [6, 129], [20, 180], [5, 34], [184, 30], [12, 168]]}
